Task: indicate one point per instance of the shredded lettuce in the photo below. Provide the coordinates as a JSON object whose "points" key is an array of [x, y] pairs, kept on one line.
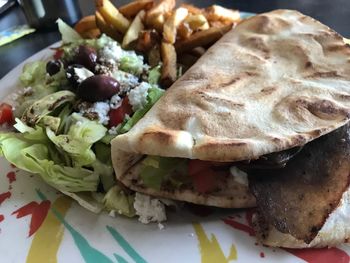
{"points": [[154, 75], [34, 157], [119, 201], [156, 170], [153, 96], [77, 143], [132, 64], [68, 34]]}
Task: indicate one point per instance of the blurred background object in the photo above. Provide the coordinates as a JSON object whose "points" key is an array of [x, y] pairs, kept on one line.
{"points": [[5, 5], [42, 14]]}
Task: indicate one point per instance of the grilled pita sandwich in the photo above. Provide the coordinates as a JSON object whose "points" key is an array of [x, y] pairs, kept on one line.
{"points": [[254, 101]]}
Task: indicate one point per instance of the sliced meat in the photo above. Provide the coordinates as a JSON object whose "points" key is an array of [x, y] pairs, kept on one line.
{"points": [[298, 198]]}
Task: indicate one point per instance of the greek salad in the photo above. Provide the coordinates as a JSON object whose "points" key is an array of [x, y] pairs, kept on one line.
{"points": [[69, 109]]}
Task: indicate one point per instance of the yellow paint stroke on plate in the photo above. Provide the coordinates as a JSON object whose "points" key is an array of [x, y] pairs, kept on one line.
{"points": [[47, 239], [210, 249], [346, 40]]}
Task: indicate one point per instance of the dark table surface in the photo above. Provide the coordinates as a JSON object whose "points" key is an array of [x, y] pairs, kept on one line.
{"points": [[335, 14]]}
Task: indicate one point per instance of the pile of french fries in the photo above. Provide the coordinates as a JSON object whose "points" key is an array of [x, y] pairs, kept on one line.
{"points": [[161, 31]]}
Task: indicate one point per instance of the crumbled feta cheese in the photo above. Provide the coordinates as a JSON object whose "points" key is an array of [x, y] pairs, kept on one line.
{"points": [[126, 80], [149, 209], [138, 96], [111, 53], [101, 109], [239, 176], [160, 226], [113, 130], [112, 213], [82, 74], [27, 91], [115, 101]]}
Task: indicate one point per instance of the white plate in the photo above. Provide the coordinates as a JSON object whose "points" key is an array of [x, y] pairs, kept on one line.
{"points": [[69, 233]]}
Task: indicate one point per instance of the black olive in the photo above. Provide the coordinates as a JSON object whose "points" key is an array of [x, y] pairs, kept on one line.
{"points": [[98, 88], [53, 67], [86, 56], [71, 76]]}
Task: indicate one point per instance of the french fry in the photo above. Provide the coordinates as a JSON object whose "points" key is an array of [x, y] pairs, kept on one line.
{"points": [[147, 40], [197, 22], [92, 33], [172, 23], [216, 12], [154, 56], [184, 31], [201, 38], [112, 16], [220, 23], [85, 24], [156, 15], [132, 9], [106, 28], [192, 9], [169, 71], [134, 30]]}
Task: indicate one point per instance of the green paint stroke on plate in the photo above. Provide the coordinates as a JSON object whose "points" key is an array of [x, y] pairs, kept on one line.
{"points": [[120, 259], [90, 254], [125, 245]]}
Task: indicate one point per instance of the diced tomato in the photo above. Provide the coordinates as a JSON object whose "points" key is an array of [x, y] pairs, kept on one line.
{"points": [[116, 116], [58, 54], [204, 181], [196, 166], [6, 114]]}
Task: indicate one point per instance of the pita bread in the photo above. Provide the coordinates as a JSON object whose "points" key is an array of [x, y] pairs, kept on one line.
{"points": [[277, 80], [306, 203]]}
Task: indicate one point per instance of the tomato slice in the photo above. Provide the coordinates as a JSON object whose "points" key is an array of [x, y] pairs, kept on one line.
{"points": [[196, 166], [116, 116], [58, 54], [6, 114], [204, 181], [204, 178]]}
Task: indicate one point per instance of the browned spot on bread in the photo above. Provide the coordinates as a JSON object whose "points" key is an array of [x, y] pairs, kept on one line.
{"points": [[335, 48], [328, 74], [163, 137], [268, 90], [326, 109], [298, 140], [308, 64], [194, 76]]}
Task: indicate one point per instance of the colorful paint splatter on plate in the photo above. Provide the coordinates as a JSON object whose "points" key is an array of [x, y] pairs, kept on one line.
{"points": [[38, 224]]}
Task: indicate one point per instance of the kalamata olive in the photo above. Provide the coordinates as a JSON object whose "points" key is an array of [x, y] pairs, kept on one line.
{"points": [[98, 88], [53, 67], [86, 56]]}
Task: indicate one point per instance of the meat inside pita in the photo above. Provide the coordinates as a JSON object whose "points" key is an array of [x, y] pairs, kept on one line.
{"points": [[298, 198]]}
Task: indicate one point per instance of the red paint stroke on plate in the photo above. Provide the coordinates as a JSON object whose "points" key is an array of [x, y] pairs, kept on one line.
{"points": [[38, 212], [4, 196], [237, 225], [321, 255], [262, 254], [2, 218], [11, 176], [311, 255]]}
